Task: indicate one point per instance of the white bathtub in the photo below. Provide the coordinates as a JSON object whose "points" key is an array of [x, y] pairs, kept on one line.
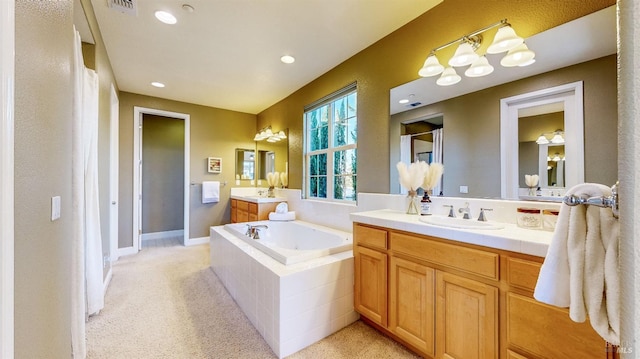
{"points": [[291, 305], [295, 241]]}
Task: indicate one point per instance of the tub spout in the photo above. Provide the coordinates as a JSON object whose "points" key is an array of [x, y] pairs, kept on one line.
{"points": [[253, 231]]}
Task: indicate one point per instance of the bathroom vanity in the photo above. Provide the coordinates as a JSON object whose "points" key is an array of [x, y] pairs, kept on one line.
{"points": [[248, 208], [453, 293]]}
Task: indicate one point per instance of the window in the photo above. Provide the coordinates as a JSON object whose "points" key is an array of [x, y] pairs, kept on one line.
{"points": [[331, 137]]}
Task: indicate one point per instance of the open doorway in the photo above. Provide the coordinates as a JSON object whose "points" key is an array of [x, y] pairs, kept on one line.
{"points": [[155, 172]]}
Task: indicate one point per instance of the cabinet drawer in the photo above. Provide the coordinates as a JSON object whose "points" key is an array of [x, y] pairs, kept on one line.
{"points": [[253, 208], [469, 260], [522, 273], [243, 205], [370, 237]]}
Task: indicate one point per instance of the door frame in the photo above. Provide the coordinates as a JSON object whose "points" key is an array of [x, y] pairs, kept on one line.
{"points": [[7, 78], [114, 160], [138, 113]]}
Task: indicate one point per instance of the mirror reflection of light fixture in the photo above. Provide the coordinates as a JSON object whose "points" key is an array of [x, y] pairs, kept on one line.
{"points": [[267, 134], [556, 158], [504, 40], [557, 139], [542, 140]]}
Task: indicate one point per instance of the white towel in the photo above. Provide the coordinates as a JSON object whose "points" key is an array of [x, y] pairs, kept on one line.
{"points": [[289, 216], [580, 270], [282, 207], [210, 191]]}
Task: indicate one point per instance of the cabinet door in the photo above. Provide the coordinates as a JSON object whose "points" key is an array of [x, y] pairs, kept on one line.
{"points": [[412, 303], [242, 216], [371, 284], [467, 318], [252, 217]]}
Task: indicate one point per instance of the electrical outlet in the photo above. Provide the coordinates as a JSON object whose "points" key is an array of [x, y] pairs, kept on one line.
{"points": [[464, 189], [55, 208]]}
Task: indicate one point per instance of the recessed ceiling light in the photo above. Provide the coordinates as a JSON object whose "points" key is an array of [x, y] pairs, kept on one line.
{"points": [[157, 84], [287, 59], [403, 101], [166, 17], [187, 8]]}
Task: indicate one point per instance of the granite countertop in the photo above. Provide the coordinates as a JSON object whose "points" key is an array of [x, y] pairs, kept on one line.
{"points": [[258, 199], [510, 238]]}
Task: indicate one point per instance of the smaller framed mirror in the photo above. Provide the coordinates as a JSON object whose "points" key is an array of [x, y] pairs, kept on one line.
{"points": [[245, 164]]}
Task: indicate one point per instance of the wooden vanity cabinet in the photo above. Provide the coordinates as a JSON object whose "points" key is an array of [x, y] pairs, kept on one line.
{"points": [[245, 211], [445, 299]]}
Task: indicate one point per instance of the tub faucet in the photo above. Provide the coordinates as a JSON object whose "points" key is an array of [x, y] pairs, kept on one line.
{"points": [[253, 232], [466, 211]]}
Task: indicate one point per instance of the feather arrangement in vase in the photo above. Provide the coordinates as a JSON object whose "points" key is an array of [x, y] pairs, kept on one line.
{"points": [[430, 181], [411, 177], [272, 181], [284, 179]]}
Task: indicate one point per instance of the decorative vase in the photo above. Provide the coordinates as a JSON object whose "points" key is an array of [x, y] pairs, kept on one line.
{"points": [[270, 192], [532, 191], [413, 202]]}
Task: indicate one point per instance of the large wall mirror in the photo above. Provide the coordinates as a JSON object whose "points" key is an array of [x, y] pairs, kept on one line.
{"points": [[253, 164], [481, 158]]}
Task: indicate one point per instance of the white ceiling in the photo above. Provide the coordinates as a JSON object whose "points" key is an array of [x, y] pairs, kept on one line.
{"points": [[586, 38], [226, 53]]}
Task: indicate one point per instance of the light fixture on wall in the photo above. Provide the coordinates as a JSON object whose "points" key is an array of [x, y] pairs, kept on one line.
{"points": [[270, 136], [505, 40], [557, 139]]}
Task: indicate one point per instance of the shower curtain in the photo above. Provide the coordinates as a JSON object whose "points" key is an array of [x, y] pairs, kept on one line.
{"points": [[437, 156], [87, 284], [405, 155]]}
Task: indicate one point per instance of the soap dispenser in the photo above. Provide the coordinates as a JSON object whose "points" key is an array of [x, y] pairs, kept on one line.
{"points": [[425, 205]]}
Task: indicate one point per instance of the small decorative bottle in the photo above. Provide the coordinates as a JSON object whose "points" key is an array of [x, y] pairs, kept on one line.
{"points": [[425, 205]]}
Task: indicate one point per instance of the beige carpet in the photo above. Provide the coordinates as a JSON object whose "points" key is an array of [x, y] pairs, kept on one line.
{"points": [[165, 302]]}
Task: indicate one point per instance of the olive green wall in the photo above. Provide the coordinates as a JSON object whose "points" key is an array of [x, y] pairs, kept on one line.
{"points": [[471, 152], [213, 132], [43, 94], [163, 174], [395, 60]]}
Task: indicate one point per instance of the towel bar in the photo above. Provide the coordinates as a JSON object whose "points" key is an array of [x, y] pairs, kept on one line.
{"points": [[605, 202], [221, 183]]}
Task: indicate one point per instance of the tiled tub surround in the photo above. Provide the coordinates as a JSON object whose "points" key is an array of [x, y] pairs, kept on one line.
{"points": [[292, 306]]}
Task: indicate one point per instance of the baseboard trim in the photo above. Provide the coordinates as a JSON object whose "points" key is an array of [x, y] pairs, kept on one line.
{"points": [[196, 241], [107, 280], [162, 235], [127, 251]]}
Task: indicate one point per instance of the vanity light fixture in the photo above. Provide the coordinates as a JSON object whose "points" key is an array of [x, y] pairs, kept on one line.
{"points": [[557, 139], [556, 158], [267, 134], [505, 40]]}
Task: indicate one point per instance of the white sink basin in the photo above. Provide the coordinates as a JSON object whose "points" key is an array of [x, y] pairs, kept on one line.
{"points": [[459, 223]]}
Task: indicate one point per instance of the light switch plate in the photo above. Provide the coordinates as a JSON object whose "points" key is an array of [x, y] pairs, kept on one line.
{"points": [[55, 208], [464, 189]]}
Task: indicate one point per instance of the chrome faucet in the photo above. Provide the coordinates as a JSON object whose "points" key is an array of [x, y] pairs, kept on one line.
{"points": [[482, 217], [253, 232], [451, 212], [466, 211]]}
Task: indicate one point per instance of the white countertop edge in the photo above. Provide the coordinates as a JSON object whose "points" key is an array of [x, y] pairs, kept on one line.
{"points": [[256, 199], [510, 238]]}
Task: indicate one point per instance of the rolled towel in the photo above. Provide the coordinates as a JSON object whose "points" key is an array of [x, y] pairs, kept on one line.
{"points": [[289, 216], [282, 207]]}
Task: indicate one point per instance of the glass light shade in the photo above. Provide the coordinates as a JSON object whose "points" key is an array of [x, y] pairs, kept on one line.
{"points": [[464, 55], [517, 56], [271, 139], [431, 67], [557, 138], [257, 137], [448, 77], [542, 140], [527, 63], [505, 40], [556, 158], [282, 135], [480, 67]]}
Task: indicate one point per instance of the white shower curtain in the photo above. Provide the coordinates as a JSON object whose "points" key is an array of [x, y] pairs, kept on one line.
{"points": [[437, 156], [405, 154], [87, 286]]}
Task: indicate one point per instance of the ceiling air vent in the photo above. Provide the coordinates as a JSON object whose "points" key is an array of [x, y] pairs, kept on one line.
{"points": [[124, 6]]}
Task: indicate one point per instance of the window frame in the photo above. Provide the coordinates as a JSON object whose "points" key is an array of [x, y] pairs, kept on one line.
{"points": [[331, 150]]}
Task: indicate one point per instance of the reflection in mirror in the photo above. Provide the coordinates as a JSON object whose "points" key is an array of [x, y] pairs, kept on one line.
{"points": [[272, 157], [417, 142], [537, 127], [552, 112], [245, 164]]}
